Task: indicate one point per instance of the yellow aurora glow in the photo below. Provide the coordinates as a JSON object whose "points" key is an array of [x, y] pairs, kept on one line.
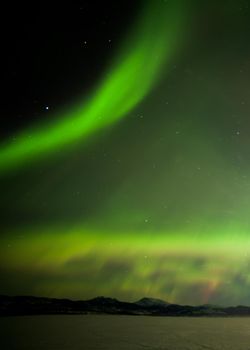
{"points": [[80, 263]]}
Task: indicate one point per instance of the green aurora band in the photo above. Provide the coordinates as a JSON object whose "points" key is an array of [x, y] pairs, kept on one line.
{"points": [[80, 263], [135, 71], [172, 220]]}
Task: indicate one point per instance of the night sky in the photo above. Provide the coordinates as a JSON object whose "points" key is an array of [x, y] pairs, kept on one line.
{"points": [[125, 150]]}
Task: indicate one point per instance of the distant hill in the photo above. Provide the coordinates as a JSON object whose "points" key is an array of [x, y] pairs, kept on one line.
{"points": [[29, 305], [151, 302]]}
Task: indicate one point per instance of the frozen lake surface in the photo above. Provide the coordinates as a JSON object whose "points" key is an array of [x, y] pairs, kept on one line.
{"points": [[123, 332]]}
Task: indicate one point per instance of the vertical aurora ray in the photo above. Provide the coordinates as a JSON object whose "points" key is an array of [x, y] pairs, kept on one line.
{"points": [[79, 263], [135, 71]]}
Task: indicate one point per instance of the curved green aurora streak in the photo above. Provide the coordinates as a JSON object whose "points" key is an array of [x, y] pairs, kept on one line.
{"points": [[172, 220], [138, 66]]}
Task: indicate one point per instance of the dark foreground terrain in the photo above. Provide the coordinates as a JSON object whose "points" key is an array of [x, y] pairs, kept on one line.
{"points": [[102, 332], [28, 305]]}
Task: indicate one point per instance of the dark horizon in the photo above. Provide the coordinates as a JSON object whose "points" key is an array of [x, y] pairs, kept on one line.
{"points": [[100, 297]]}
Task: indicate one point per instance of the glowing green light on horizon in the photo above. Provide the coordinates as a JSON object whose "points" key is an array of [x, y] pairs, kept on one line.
{"points": [[138, 66], [81, 263]]}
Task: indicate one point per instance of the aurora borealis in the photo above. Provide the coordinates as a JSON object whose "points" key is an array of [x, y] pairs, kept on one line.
{"points": [[120, 91], [139, 186]]}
